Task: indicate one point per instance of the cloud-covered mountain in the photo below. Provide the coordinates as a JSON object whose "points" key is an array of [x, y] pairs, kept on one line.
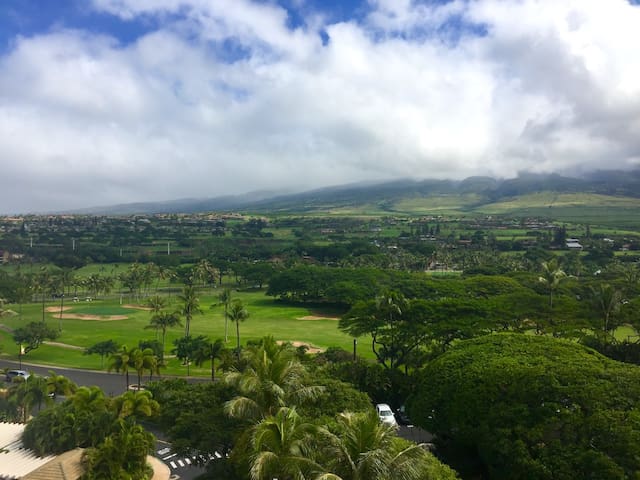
{"points": [[488, 190]]}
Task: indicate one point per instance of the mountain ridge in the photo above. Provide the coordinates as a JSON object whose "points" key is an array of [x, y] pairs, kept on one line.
{"points": [[488, 190]]}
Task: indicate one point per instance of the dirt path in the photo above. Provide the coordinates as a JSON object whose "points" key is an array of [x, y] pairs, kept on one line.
{"points": [[64, 345]]}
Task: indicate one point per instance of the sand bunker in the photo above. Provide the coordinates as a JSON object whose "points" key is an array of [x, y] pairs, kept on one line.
{"points": [[137, 307], [56, 309], [295, 343], [317, 317], [82, 316]]}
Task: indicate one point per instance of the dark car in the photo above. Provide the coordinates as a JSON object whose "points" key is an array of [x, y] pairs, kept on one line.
{"points": [[402, 416]]}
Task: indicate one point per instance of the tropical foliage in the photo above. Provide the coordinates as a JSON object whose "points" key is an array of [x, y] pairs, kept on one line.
{"points": [[532, 407]]}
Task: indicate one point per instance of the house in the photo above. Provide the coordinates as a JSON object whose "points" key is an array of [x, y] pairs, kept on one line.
{"points": [[18, 462], [573, 244]]}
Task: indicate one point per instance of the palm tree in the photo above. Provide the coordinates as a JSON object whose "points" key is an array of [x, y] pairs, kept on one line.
{"points": [[551, 277], [190, 306], [120, 362], [44, 283], [366, 449], [141, 360], [238, 313], [209, 351], [28, 393], [162, 321], [136, 404], [90, 399], [272, 379], [156, 304], [59, 384], [282, 447], [225, 299], [606, 301]]}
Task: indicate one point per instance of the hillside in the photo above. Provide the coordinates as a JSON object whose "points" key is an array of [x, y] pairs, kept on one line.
{"points": [[554, 195]]}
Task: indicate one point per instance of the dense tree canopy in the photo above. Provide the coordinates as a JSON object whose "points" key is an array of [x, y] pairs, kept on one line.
{"points": [[532, 407]]}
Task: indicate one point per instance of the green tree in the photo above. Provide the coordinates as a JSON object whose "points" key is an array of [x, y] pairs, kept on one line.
{"points": [[186, 347], [122, 455], [59, 384], [30, 393], [190, 306], [552, 276], [606, 302], [225, 299], [156, 304], [137, 404], [163, 321], [272, 379], [238, 313], [531, 407], [33, 335], [363, 448], [120, 361], [282, 448], [141, 360], [209, 352], [104, 348]]}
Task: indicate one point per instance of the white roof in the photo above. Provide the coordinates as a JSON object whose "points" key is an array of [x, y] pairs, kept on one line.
{"points": [[15, 460]]}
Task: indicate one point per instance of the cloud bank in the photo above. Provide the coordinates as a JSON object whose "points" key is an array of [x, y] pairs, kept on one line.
{"points": [[232, 96]]}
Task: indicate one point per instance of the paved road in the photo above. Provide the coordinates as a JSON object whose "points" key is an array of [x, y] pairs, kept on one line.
{"points": [[112, 384]]}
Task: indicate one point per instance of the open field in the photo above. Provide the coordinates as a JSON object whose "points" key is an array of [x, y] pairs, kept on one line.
{"points": [[268, 317]]}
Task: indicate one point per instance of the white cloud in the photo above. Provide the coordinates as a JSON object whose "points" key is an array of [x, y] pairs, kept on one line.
{"points": [[86, 120]]}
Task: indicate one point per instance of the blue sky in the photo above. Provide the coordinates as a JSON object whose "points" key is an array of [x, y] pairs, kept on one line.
{"points": [[116, 101]]}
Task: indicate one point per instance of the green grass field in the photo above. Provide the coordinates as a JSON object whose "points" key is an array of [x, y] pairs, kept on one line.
{"points": [[267, 317]]}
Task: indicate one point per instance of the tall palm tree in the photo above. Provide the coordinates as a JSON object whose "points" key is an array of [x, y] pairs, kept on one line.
{"points": [[282, 447], [209, 351], [272, 379], [120, 362], [29, 393], [156, 304], [366, 449], [238, 313], [225, 299], [552, 276], [162, 321], [141, 360], [190, 306], [44, 283], [606, 301]]}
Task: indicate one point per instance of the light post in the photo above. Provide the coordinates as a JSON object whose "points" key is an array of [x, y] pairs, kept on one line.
{"points": [[355, 345]]}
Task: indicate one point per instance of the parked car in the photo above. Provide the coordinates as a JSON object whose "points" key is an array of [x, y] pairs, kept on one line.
{"points": [[11, 374], [386, 414], [402, 416]]}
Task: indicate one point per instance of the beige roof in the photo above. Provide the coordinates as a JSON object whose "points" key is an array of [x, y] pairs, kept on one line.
{"points": [[63, 467]]}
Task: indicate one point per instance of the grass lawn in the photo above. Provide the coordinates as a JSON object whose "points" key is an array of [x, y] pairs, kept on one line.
{"points": [[267, 317]]}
